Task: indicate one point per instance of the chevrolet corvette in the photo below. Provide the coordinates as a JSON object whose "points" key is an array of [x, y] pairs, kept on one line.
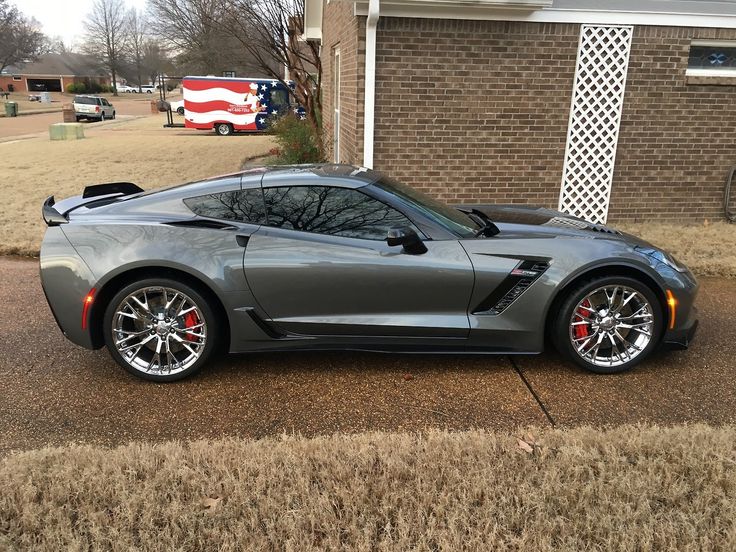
{"points": [[326, 257]]}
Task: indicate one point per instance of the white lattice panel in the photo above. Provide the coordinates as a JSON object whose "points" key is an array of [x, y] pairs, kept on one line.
{"points": [[595, 115]]}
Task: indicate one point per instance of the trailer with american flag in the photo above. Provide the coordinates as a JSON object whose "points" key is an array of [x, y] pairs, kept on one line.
{"points": [[227, 105]]}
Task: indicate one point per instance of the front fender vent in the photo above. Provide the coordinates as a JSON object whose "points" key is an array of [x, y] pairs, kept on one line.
{"points": [[511, 288]]}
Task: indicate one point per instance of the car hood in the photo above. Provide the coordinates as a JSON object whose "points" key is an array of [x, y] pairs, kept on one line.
{"points": [[530, 221]]}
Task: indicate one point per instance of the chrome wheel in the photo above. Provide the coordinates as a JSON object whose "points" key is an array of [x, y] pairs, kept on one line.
{"points": [[159, 330], [611, 326]]}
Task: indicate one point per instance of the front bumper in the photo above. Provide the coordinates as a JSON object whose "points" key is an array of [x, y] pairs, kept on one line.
{"points": [[681, 337]]}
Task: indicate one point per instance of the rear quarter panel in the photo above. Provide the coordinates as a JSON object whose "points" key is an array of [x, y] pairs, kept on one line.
{"points": [[212, 256], [66, 280]]}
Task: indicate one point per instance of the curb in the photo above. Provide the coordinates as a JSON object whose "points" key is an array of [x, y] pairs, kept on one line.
{"points": [[34, 112]]}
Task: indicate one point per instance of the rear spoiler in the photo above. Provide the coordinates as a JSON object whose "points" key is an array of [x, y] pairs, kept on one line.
{"points": [[51, 216], [54, 217], [123, 188]]}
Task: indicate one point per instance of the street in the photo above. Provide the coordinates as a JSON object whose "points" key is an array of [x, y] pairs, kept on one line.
{"points": [[54, 392], [125, 105]]}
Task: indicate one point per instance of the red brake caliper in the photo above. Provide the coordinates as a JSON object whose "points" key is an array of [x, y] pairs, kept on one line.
{"points": [[190, 320], [581, 330]]}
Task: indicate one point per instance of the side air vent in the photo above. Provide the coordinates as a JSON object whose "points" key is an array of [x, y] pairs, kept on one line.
{"points": [[201, 223], [512, 287]]}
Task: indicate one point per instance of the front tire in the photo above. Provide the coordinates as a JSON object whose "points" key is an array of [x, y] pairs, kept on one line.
{"points": [[609, 325], [160, 329], [223, 129]]}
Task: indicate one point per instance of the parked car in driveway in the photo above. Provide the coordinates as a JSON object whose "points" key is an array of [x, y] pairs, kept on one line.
{"points": [[127, 89], [177, 107], [93, 108], [342, 257], [148, 89]]}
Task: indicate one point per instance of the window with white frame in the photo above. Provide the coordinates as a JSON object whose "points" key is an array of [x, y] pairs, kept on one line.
{"points": [[336, 106], [712, 58]]}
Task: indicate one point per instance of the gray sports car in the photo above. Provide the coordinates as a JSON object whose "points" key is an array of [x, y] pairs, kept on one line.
{"points": [[340, 257]]}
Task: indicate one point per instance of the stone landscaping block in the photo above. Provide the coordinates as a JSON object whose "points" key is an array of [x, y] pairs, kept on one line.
{"points": [[66, 131]]}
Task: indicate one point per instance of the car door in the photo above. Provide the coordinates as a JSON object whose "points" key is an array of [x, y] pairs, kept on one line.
{"points": [[106, 107], [321, 266]]}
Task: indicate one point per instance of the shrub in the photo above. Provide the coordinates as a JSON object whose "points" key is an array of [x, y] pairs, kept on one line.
{"points": [[298, 140], [76, 88]]}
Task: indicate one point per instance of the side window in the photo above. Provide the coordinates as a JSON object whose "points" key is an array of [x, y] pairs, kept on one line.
{"points": [[279, 98], [237, 205], [334, 211]]}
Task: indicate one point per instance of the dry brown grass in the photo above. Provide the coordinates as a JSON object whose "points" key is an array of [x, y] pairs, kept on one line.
{"points": [[138, 151], [707, 249], [628, 488]]}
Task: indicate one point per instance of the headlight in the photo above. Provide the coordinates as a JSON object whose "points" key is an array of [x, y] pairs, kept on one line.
{"points": [[662, 257]]}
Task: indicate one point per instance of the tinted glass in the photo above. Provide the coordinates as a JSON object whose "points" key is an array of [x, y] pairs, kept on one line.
{"points": [[279, 98], [83, 100], [238, 205], [334, 211], [712, 57], [450, 218]]}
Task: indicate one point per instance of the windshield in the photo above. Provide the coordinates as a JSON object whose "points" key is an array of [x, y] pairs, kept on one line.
{"points": [[83, 100], [450, 218]]}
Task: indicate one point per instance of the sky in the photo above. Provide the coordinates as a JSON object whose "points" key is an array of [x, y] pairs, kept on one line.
{"points": [[63, 17]]}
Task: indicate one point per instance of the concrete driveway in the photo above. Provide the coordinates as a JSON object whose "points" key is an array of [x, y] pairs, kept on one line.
{"points": [[52, 392]]}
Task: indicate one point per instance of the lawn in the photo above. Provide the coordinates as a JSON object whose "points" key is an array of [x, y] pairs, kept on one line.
{"points": [[628, 488], [24, 105], [139, 151]]}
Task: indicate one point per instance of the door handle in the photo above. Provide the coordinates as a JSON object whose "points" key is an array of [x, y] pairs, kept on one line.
{"points": [[242, 240]]}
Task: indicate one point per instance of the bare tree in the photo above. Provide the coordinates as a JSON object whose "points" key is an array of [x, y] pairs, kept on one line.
{"points": [[156, 59], [21, 40], [57, 45], [137, 30], [193, 28], [270, 31], [107, 35]]}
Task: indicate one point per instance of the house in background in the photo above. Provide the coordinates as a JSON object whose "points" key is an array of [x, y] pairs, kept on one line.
{"points": [[53, 72], [612, 111]]}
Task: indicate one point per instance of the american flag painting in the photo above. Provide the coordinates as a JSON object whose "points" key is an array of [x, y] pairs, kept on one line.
{"points": [[247, 104]]}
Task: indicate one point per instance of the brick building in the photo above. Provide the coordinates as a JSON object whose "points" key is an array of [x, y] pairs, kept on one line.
{"points": [[53, 72], [609, 110]]}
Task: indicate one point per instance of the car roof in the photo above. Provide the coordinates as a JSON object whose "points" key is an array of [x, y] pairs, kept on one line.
{"points": [[319, 175]]}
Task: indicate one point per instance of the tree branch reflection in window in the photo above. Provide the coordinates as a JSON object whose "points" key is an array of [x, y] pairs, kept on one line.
{"points": [[240, 205], [334, 211]]}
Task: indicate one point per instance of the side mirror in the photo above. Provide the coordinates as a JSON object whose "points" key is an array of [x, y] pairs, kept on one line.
{"points": [[408, 238]]}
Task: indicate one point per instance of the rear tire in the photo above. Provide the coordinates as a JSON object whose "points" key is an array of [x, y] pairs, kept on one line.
{"points": [[102, 117], [223, 129], [157, 343], [180, 110], [608, 325]]}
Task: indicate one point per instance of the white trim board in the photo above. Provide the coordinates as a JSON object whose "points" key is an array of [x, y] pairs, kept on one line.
{"points": [[552, 15]]}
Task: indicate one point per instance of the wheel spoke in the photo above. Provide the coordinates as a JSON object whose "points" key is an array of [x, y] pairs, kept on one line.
{"points": [[620, 320], [154, 313]]}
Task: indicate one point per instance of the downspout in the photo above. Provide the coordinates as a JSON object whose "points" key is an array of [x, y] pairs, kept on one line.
{"points": [[369, 103]]}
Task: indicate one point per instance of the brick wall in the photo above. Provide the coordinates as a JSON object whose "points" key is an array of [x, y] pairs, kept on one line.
{"points": [[474, 110], [677, 140], [18, 85], [478, 111], [342, 29]]}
